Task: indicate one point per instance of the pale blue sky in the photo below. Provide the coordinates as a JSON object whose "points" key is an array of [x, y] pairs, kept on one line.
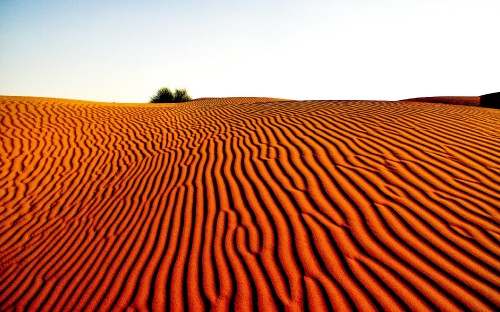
{"points": [[123, 50]]}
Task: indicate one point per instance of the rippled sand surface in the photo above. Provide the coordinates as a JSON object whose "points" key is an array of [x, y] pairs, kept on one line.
{"points": [[248, 204]]}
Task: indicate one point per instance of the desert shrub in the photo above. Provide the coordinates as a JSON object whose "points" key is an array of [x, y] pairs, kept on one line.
{"points": [[181, 95], [164, 95]]}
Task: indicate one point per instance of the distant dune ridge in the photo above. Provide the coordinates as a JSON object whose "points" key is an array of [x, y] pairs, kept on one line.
{"points": [[491, 100], [456, 100], [249, 204]]}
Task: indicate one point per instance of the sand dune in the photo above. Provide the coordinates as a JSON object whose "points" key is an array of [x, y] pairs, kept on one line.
{"points": [[248, 203], [456, 100], [490, 100]]}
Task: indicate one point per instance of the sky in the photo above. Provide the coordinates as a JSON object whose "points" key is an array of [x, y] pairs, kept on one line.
{"points": [[124, 50]]}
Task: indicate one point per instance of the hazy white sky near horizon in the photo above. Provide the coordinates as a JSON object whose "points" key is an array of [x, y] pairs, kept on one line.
{"points": [[124, 50]]}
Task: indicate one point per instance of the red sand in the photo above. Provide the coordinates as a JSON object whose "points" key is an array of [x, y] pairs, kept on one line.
{"points": [[244, 203]]}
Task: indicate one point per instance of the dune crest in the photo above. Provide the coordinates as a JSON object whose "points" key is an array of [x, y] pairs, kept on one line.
{"points": [[262, 204]]}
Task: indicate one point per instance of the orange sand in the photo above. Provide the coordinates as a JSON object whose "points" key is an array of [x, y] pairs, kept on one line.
{"points": [[245, 203]]}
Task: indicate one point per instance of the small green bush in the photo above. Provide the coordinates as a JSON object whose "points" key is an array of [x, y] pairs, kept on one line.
{"points": [[164, 95], [181, 95]]}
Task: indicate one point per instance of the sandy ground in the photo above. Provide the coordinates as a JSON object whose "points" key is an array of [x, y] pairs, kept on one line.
{"points": [[248, 203]]}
